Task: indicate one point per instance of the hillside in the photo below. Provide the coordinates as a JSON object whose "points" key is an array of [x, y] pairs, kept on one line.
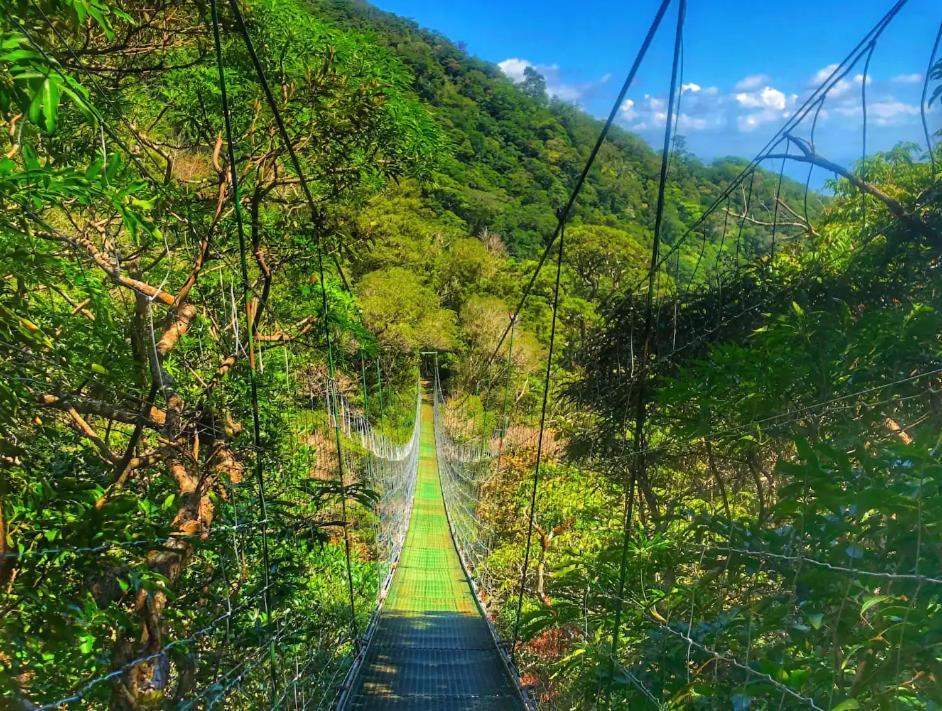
{"points": [[506, 163], [512, 158]]}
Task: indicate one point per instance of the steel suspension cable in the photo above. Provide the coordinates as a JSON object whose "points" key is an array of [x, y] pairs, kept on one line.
{"points": [[379, 391], [325, 310], [507, 383], [251, 323], [639, 460], [923, 99], [539, 444], [564, 214], [814, 100]]}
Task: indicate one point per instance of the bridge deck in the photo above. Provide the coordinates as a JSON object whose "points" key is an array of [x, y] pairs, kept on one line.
{"points": [[431, 649]]}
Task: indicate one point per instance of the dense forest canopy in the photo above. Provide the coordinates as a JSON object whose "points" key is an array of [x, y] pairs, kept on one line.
{"points": [[201, 324], [514, 154]]}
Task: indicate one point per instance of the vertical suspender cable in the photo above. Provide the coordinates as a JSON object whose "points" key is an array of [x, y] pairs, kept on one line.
{"points": [[477, 394], [507, 382], [367, 427], [325, 312], [539, 444], [638, 465], [250, 328], [379, 391], [778, 199], [366, 389], [863, 127]]}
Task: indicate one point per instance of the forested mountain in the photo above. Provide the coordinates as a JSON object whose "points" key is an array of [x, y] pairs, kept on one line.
{"points": [[508, 160], [213, 306], [512, 154]]}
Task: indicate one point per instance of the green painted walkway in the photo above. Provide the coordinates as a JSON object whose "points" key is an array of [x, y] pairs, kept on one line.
{"points": [[432, 649]]}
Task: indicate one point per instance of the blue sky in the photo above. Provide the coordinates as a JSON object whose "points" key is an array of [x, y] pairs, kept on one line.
{"points": [[747, 64]]}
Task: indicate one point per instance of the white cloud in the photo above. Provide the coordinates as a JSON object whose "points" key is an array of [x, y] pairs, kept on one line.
{"points": [[515, 67], [752, 121], [885, 112], [766, 105], [747, 123], [891, 111], [907, 78], [655, 103], [650, 113], [686, 122], [843, 86], [515, 70], [839, 89], [754, 105], [768, 97], [565, 92], [822, 74], [701, 110], [753, 81]]}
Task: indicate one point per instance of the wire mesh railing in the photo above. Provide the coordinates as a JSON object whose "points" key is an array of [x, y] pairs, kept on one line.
{"points": [[391, 469], [723, 492]]}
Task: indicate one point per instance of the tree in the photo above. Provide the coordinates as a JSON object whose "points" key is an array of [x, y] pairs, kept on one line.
{"points": [[534, 84], [405, 315], [125, 323], [604, 260]]}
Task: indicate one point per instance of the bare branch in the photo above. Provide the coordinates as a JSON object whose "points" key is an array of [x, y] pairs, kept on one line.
{"points": [[894, 206]]}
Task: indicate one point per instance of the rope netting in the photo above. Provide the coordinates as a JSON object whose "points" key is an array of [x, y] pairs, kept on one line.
{"points": [[390, 470], [465, 466], [468, 463]]}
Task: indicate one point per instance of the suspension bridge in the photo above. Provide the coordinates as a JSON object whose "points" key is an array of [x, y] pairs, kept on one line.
{"points": [[366, 542], [432, 648]]}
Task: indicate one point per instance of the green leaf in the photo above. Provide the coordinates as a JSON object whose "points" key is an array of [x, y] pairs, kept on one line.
{"points": [[30, 158], [114, 166], [873, 600], [94, 169], [35, 107], [50, 96]]}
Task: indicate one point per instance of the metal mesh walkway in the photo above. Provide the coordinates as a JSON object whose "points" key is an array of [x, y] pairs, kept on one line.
{"points": [[432, 649]]}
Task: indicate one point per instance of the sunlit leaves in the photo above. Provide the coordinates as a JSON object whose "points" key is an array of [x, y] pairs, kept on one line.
{"points": [[37, 84]]}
